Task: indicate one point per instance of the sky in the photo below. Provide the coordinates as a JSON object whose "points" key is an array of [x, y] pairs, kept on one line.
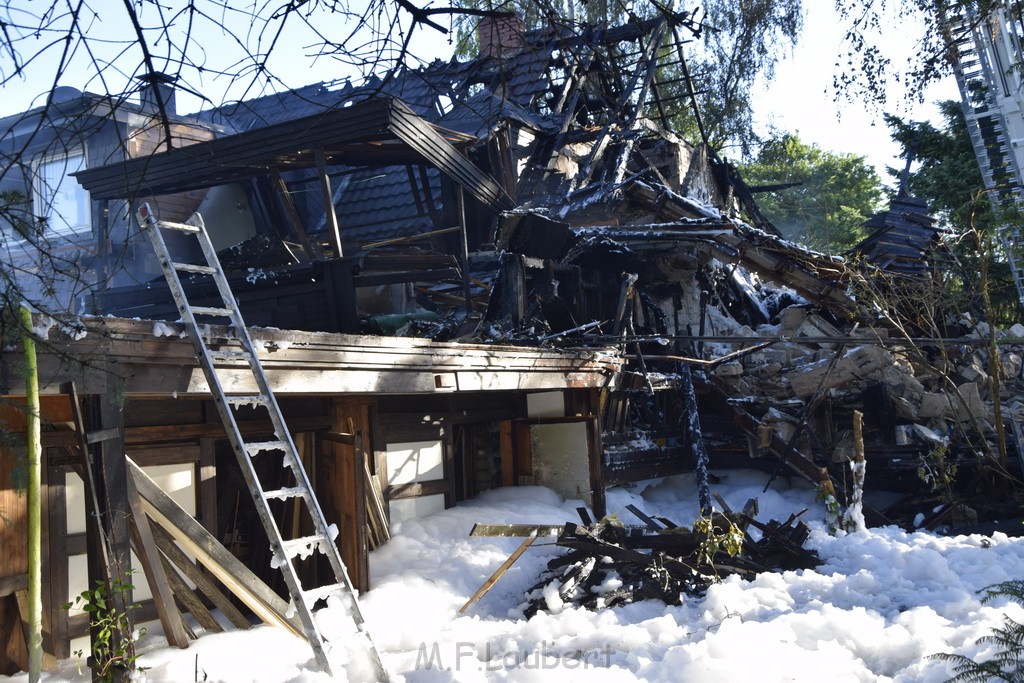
{"points": [[797, 99], [882, 602], [800, 97]]}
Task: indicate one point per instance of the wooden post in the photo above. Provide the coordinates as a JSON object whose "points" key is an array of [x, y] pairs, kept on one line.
{"points": [[460, 199], [329, 213], [105, 412], [595, 448], [159, 580], [312, 251], [854, 517], [700, 454], [35, 539]]}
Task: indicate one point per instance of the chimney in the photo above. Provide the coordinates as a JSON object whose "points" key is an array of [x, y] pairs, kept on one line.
{"points": [[152, 84], [500, 36]]}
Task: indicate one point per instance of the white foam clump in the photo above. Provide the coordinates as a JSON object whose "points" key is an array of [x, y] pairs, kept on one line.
{"points": [[162, 329], [41, 328]]}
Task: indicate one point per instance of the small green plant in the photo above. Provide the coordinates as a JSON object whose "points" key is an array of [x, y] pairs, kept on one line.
{"points": [[825, 493], [1008, 662], [727, 538], [938, 472], [114, 642]]}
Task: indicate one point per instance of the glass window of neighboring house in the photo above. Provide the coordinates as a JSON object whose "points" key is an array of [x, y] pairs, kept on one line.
{"points": [[59, 199]]}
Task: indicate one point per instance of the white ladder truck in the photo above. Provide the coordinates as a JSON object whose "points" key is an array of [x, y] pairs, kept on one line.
{"points": [[285, 546], [987, 62]]}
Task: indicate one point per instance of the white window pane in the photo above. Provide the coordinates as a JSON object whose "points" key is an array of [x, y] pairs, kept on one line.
{"points": [[415, 461], [60, 199]]}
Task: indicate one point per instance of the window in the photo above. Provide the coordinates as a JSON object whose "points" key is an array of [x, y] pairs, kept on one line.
{"points": [[58, 198]]}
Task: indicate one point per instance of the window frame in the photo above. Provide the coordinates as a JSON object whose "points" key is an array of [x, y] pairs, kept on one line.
{"points": [[43, 197]]}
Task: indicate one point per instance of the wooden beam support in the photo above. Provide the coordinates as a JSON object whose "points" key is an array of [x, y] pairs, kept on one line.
{"points": [[238, 578]]}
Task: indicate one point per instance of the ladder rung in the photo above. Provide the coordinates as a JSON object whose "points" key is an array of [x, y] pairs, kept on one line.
{"points": [[313, 594], [285, 493], [194, 268], [303, 546], [258, 399], [180, 227], [206, 310], [257, 447]]}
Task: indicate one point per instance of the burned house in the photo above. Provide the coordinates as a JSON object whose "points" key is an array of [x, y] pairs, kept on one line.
{"points": [[474, 274]]}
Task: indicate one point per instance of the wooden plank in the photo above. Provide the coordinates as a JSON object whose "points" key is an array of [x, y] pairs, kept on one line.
{"points": [[651, 524], [236, 157], [328, 199], [49, 662], [184, 563], [595, 458], [111, 484], [508, 466], [336, 437], [523, 452], [416, 489], [149, 557], [360, 531], [55, 560], [499, 572], [516, 530], [12, 584], [238, 578], [208, 484], [184, 595]]}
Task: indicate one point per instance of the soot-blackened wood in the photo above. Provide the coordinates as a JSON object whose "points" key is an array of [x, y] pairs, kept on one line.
{"points": [[651, 524], [696, 439]]}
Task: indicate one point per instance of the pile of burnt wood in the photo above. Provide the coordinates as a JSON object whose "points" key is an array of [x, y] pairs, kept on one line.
{"points": [[609, 564]]}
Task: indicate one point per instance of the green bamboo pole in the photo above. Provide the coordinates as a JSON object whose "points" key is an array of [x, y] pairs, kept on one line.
{"points": [[35, 558]]}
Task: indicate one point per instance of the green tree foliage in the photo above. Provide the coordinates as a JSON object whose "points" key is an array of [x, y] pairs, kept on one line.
{"points": [[743, 41], [836, 192], [867, 72], [947, 176], [1006, 663], [946, 172]]}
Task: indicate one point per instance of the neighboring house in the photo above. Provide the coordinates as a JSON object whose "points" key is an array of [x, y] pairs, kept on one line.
{"points": [[59, 241]]}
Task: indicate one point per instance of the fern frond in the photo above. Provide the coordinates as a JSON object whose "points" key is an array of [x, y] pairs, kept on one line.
{"points": [[969, 671]]}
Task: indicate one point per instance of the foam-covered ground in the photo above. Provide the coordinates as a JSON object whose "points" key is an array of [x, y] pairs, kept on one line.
{"points": [[882, 601]]}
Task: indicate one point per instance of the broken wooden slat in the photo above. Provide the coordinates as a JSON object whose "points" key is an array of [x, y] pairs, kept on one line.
{"points": [[375, 513], [499, 572], [651, 524], [184, 563], [516, 530], [584, 515], [238, 578]]}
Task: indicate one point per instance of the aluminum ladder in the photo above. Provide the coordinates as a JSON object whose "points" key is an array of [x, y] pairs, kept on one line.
{"points": [[978, 78], [284, 549]]}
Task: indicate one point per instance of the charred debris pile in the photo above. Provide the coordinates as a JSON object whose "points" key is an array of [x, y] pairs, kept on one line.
{"points": [[608, 564]]}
